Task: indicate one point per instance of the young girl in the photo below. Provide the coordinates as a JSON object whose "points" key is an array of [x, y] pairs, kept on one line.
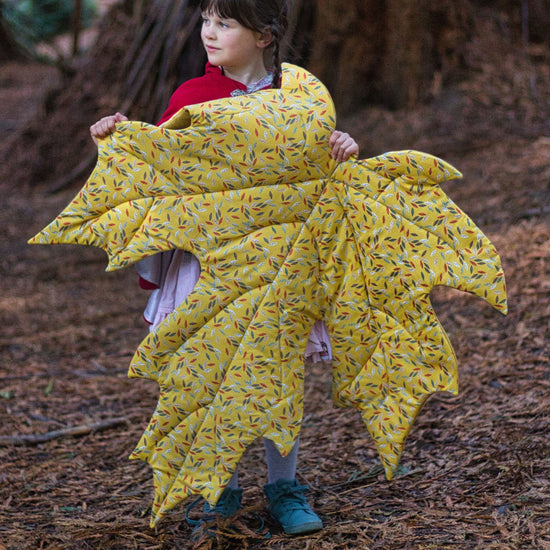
{"points": [[238, 35]]}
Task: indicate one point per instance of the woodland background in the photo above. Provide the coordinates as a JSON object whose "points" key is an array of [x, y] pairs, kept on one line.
{"points": [[467, 80]]}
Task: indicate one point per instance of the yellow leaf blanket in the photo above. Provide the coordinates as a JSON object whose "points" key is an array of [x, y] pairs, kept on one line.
{"points": [[285, 235]]}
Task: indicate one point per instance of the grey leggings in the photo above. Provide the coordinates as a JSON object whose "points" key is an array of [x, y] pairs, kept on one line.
{"points": [[278, 467]]}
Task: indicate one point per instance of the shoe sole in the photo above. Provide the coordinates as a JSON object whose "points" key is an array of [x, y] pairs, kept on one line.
{"points": [[303, 528]]}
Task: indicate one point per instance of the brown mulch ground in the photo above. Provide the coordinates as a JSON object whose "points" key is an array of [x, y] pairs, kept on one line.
{"points": [[476, 470]]}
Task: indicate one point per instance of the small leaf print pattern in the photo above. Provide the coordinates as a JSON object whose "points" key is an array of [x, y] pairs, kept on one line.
{"points": [[285, 236]]}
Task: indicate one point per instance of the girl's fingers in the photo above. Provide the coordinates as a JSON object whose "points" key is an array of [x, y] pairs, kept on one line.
{"points": [[106, 126], [101, 128], [343, 146]]}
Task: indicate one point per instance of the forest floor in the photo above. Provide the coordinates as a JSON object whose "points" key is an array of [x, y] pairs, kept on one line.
{"points": [[475, 474]]}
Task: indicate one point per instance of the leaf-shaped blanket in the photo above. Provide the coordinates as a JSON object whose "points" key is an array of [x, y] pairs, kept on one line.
{"points": [[285, 236]]}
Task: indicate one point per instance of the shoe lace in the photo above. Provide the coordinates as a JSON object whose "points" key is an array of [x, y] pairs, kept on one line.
{"points": [[291, 498], [190, 507], [226, 506]]}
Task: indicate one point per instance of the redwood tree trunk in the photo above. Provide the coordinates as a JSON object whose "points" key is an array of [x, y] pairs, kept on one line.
{"points": [[367, 51]]}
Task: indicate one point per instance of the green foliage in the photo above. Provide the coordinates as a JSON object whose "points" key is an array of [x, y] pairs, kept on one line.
{"points": [[34, 21]]}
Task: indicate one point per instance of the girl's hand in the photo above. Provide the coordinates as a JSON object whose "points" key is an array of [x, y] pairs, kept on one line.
{"points": [[342, 146], [106, 126]]}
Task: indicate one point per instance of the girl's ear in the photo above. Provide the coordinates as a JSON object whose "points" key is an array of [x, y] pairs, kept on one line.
{"points": [[265, 38]]}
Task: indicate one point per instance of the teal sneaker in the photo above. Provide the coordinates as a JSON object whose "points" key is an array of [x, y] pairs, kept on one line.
{"points": [[288, 505], [227, 506]]}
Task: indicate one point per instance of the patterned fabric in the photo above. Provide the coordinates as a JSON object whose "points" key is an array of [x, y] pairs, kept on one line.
{"points": [[285, 235], [264, 82]]}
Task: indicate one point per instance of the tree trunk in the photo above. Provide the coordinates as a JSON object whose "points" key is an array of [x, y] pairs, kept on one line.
{"points": [[406, 61], [537, 20], [367, 51], [347, 40]]}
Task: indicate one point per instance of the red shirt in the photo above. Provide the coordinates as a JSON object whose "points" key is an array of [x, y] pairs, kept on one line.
{"points": [[209, 87]]}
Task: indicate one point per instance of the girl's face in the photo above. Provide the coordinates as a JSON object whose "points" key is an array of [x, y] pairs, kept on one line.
{"points": [[229, 44]]}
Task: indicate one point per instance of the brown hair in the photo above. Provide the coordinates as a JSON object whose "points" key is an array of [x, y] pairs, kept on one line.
{"points": [[259, 16]]}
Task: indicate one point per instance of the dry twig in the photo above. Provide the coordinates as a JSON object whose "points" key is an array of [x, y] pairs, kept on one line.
{"points": [[35, 439]]}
